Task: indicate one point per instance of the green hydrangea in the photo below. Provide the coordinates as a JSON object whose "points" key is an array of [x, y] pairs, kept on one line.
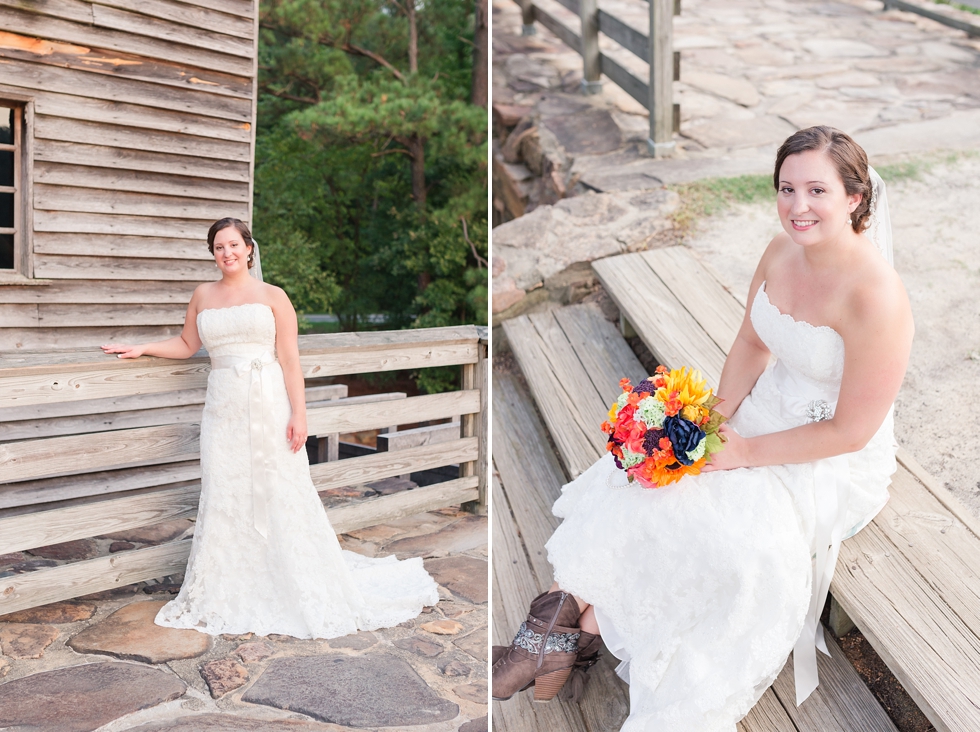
{"points": [[698, 452], [631, 458], [651, 410], [622, 400]]}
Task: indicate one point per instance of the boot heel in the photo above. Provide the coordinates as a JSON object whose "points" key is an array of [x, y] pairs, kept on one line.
{"points": [[547, 687]]}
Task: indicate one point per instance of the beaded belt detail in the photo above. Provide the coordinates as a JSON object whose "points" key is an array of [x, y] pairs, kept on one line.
{"points": [[557, 642]]}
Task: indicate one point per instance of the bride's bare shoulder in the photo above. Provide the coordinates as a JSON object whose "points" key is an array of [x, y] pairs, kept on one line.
{"points": [[777, 252], [876, 297]]}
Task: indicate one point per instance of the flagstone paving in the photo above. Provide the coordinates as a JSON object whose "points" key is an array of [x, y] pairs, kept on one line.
{"points": [[99, 662], [752, 72]]}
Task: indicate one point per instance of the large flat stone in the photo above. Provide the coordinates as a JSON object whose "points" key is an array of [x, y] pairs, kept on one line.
{"points": [[590, 132], [130, 633], [56, 612], [467, 533], [474, 644], [153, 534], [465, 577], [583, 228], [733, 88], [475, 692], [354, 642], [223, 675], [379, 690], [77, 549], [720, 132], [232, 723], [420, 646], [24, 640], [475, 725], [83, 698]]}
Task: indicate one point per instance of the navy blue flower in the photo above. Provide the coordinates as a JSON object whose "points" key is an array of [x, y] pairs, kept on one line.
{"points": [[685, 436]]}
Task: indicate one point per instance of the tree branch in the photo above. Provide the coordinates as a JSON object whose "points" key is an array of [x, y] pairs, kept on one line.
{"points": [[480, 261], [349, 47], [292, 98]]}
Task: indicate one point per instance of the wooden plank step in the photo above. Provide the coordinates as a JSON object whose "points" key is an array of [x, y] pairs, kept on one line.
{"points": [[658, 316], [513, 590], [530, 482], [572, 394], [841, 703]]}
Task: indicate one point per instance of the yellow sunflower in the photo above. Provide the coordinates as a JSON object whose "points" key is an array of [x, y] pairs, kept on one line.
{"points": [[691, 388]]}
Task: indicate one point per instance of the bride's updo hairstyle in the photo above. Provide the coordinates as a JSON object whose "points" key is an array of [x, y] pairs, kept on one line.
{"points": [[848, 158], [240, 227]]}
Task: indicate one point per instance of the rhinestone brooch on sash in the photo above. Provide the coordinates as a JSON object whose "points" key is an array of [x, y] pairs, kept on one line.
{"points": [[818, 411], [557, 642]]}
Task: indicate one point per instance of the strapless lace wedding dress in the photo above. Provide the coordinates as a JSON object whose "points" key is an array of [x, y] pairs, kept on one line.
{"points": [[265, 558], [704, 587]]}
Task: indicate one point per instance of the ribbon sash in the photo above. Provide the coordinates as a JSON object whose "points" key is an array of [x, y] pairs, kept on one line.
{"points": [[832, 487], [260, 429]]}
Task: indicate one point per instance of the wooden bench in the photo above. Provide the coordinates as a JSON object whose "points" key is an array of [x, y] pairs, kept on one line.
{"points": [[572, 359], [910, 580], [98, 475]]}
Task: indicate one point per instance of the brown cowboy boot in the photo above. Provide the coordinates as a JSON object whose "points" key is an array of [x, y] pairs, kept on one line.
{"points": [[543, 652], [588, 656]]}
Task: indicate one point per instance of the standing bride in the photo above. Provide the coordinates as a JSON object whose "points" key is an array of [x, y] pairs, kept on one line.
{"points": [[265, 558], [702, 588]]}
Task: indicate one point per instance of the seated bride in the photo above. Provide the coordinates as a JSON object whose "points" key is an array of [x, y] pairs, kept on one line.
{"points": [[703, 587]]}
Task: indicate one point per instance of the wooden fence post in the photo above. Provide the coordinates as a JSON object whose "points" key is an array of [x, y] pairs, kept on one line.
{"points": [[661, 141], [527, 16], [592, 69], [476, 376]]}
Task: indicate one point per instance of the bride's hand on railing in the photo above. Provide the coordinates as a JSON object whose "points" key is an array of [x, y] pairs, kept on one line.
{"points": [[123, 351], [296, 432], [735, 454]]}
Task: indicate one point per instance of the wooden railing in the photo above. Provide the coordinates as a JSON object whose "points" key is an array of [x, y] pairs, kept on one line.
{"points": [[80, 459], [656, 93]]}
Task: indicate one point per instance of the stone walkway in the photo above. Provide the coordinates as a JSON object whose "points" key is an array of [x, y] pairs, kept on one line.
{"points": [[99, 662], [752, 71]]}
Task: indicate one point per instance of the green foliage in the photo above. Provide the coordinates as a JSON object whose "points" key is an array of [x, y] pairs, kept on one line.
{"points": [[343, 123]]}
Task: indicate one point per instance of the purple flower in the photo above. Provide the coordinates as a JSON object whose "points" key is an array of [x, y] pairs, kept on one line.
{"points": [[651, 440]]}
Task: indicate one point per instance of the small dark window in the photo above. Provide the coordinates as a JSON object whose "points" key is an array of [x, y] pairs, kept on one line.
{"points": [[10, 186]]}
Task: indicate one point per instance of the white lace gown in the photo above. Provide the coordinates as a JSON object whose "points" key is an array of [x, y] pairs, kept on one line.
{"points": [[295, 579], [703, 585]]}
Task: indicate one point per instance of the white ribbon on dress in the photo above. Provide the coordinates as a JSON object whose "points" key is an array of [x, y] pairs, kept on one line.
{"points": [[260, 429], [832, 488]]}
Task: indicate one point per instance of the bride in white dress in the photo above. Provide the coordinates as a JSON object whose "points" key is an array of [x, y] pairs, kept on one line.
{"points": [[265, 558], [702, 588]]}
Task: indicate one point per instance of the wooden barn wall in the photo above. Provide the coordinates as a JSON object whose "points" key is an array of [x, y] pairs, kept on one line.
{"points": [[143, 135]]}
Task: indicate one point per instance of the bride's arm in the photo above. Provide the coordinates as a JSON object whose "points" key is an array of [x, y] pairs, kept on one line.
{"points": [[287, 350], [183, 346], [878, 340]]}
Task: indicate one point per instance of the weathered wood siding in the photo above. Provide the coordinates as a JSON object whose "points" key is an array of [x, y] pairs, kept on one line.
{"points": [[142, 136]]}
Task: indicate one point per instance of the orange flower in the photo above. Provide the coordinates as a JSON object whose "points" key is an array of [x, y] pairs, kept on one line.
{"points": [[662, 369], [633, 398], [672, 405], [625, 385]]}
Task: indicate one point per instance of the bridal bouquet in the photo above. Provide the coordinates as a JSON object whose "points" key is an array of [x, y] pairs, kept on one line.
{"points": [[664, 427]]}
